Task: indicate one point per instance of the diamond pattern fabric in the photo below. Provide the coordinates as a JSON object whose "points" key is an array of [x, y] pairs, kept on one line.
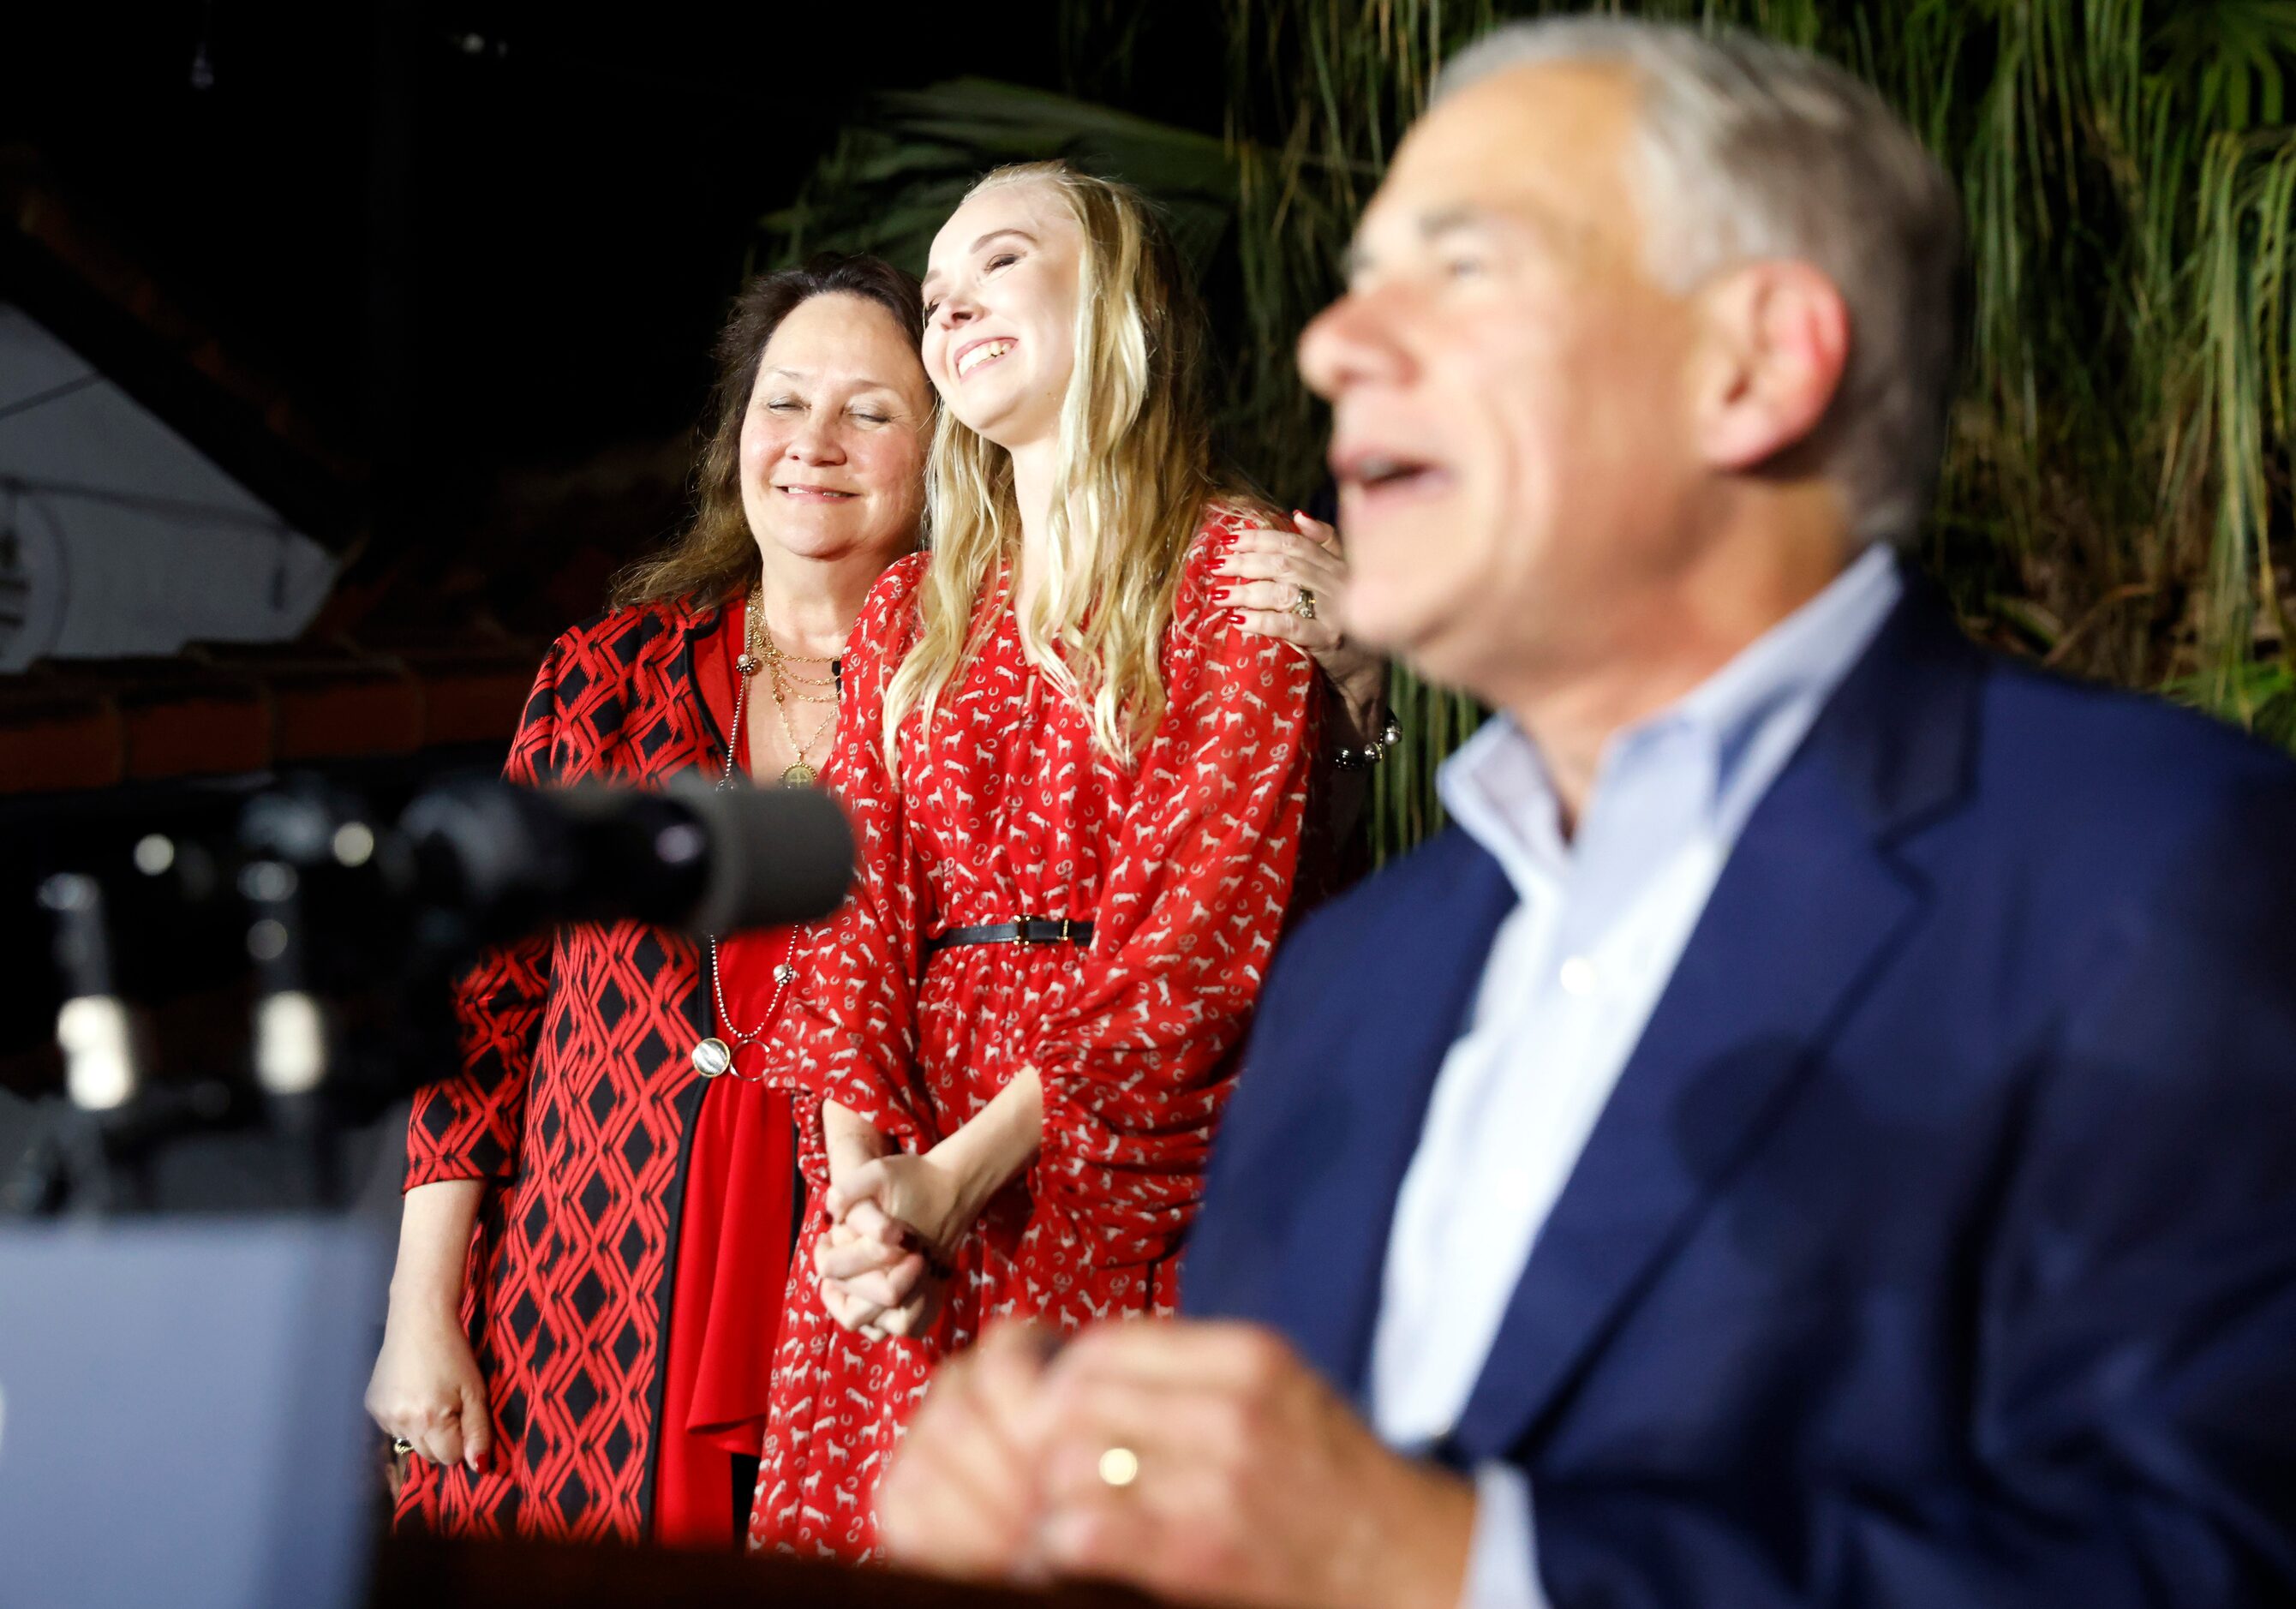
{"points": [[577, 1100]]}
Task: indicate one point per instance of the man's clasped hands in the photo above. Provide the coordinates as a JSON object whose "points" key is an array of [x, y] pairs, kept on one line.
{"points": [[1200, 1461]]}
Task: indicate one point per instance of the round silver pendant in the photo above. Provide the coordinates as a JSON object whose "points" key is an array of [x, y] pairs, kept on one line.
{"points": [[712, 1057]]}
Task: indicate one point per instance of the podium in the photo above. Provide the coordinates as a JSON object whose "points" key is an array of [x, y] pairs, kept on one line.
{"points": [[180, 1428], [180, 1421], [427, 1573]]}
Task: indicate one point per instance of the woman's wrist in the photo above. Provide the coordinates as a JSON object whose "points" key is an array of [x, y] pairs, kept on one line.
{"points": [[436, 1224], [848, 1139], [844, 1158], [1363, 705], [427, 1296], [971, 1180]]}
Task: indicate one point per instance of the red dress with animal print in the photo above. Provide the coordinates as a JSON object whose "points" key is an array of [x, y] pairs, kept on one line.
{"points": [[1183, 862]]}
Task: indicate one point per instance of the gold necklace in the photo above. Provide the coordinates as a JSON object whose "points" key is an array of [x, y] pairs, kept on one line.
{"points": [[714, 1056], [802, 774], [762, 653], [779, 662], [791, 689]]}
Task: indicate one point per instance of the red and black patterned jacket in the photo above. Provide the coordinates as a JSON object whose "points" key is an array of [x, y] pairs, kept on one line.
{"points": [[576, 1097]]}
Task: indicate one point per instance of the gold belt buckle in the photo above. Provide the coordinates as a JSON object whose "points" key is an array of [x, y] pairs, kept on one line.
{"points": [[1020, 939]]}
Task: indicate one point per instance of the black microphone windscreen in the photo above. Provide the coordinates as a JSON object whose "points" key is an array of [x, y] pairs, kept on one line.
{"points": [[777, 855]]}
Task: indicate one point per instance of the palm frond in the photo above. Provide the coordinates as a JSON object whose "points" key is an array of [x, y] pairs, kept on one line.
{"points": [[894, 175], [2119, 493]]}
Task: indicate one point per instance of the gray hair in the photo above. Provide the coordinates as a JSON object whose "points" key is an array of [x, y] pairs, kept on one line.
{"points": [[1751, 150]]}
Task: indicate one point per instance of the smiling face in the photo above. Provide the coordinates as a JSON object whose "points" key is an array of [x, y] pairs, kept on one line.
{"points": [[1509, 389], [1001, 311], [833, 443]]}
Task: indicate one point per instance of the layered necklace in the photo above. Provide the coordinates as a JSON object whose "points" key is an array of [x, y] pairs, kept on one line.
{"points": [[789, 686]]}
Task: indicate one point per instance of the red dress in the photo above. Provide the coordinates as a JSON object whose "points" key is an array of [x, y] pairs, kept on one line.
{"points": [[1184, 866], [732, 1250]]}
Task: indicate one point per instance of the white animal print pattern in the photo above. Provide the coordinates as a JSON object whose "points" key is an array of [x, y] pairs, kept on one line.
{"points": [[1184, 866]]}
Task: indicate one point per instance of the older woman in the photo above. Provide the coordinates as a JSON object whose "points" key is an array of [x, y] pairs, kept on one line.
{"points": [[600, 1373]]}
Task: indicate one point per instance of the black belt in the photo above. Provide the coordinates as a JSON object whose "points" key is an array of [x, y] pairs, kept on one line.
{"points": [[1021, 934]]}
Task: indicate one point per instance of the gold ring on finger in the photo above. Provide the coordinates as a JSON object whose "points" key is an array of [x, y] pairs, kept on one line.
{"points": [[1119, 1467], [1304, 605]]}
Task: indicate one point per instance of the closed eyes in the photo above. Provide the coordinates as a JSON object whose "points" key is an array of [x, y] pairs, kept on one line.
{"points": [[791, 404], [998, 263]]}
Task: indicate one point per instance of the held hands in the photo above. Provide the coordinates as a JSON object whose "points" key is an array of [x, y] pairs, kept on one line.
{"points": [[1196, 1461], [884, 1262], [895, 1222], [1273, 569], [922, 1194]]}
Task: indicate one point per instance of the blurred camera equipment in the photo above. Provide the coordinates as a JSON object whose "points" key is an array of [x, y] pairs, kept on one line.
{"points": [[352, 929]]}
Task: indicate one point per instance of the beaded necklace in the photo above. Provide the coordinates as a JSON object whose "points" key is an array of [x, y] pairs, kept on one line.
{"points": [[714, 1056]]}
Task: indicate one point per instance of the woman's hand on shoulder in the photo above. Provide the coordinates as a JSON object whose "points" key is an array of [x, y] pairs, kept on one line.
{"points": [[1286, 585]]}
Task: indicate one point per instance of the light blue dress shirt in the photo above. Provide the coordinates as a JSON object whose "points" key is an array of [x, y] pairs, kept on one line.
{"points": [[1572, 977]]}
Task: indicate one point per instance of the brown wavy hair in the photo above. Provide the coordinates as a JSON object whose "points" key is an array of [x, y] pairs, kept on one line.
{"points": [[715, 556]]}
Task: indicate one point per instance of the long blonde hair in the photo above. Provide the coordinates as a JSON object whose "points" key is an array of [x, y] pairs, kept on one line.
{"points": [[1134, 471]]}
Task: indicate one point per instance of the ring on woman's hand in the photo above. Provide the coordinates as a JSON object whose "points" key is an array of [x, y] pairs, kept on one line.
{"points": [[1304, 605], [400, 1447], [1119, 1467]]}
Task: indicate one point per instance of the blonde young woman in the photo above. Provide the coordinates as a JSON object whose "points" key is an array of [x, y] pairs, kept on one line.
{"points": [[1079, 785]]}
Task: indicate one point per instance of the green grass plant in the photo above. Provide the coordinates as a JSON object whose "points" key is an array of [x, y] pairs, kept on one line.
{"points": [[2119, 492]]}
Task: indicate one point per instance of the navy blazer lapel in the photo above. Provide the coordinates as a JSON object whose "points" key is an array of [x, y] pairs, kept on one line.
{"points": [[1803, 916], [1425, 946]]}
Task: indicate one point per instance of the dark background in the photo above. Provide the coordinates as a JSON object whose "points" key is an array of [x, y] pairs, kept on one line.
{"points": [[481, 251], [468, 236]]}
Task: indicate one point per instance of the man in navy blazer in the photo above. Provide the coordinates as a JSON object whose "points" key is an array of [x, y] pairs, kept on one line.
{"points": [[1822, 1128]]}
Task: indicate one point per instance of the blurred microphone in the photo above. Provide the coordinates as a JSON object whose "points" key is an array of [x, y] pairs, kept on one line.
{"points": [[698, 858], [328, 904]]}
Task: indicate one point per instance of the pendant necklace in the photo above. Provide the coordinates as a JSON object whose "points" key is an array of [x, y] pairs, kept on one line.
{"points": [[714, 1056], [765, 653]]}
